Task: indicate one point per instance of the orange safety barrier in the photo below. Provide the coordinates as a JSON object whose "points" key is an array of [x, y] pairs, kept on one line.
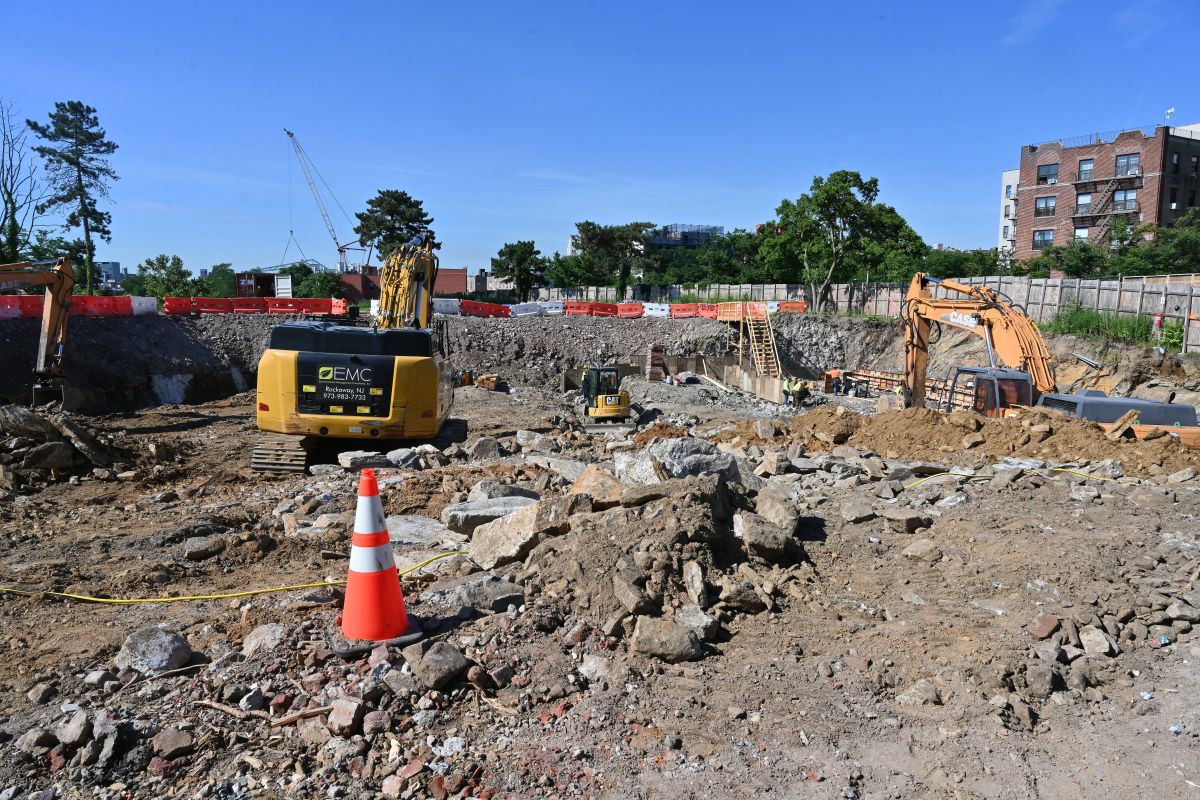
{"points": [[17, 306], [97, 306], [579, 308], [798, 307], [212, 305], [604, 309], [177, 305], [249, 305], [315, 305], [630, 310], [337, 306], [707, 310], [284, 305], [683, 310]]}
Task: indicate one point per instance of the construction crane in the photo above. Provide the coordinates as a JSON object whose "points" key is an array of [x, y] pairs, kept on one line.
{"points": [[308, 169]]}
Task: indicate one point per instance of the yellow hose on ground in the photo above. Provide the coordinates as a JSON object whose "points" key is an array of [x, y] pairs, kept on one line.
{"points": [[128, 601], [1053, 469]]}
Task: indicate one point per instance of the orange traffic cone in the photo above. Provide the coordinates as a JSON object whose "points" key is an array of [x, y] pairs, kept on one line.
{"points": [[374, 607]]}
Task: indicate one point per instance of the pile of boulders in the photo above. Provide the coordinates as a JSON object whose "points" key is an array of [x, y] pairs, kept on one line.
{"points": [[38, 448]]}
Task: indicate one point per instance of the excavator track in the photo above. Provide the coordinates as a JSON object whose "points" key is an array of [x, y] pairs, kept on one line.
{"points": [[278, 454]]}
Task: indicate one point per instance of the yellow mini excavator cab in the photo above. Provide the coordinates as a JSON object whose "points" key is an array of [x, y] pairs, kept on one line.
{"points": [[605, 403], [389, 382]]}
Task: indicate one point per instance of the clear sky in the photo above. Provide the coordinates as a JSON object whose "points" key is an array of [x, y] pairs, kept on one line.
{"points": [[515, 120]]}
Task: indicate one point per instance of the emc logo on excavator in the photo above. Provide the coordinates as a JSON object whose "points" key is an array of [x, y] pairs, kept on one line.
{"points": [[344, 374], [962, 320]]}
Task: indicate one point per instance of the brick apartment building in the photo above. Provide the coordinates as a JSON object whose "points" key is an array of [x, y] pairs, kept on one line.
{"points": [[1073, 189]]}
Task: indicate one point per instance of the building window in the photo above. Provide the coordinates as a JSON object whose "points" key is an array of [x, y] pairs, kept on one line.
{"points": [[1085, 169], [1195, 166], [1044, 206], [1047, 174], [1042, 239], [1083, 203], [1173, 199], [1130, 164], [1007, 211], [1174, 163], [1192, 198], [1125, 200], [1007, 190], [1081, 234]]}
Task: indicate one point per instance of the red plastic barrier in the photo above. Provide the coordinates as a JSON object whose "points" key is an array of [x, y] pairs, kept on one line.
{"points": [[248, 305], [708, 310], [284, 305], [177, 305], [630, 310], [604, 309], [315, 305], [10, 307], [578, 308], [212, 305], [499, 310], [798, 307], [337, 306], [469, 308], [683, 310]]}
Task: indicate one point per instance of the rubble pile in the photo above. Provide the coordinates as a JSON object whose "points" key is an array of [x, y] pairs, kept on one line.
{"points": [[37, 448], [867, 605]]}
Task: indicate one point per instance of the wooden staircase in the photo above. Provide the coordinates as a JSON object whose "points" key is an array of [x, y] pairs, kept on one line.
{"points": [[761, 338]]}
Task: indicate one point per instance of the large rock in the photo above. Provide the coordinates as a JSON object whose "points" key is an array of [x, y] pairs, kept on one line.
{"points": [[82, 439], [694, 617], [1183, 611], [440, 664], [483, 448], [694, 585], [511, 537], [923, 550], [857, 511], [75, 730], [1095, 641], [363, 459], [172, 743], [403, 458], [51, 455], [20, 421], [601, 485], [665, 640], [761, 537], [201, 548], [566, 467], [491, 490], [775, 504], [481, 591], [536, 442], [265, 637], [466, 517], [410, 530], [153, 649], [677, 458], [630, 595]]}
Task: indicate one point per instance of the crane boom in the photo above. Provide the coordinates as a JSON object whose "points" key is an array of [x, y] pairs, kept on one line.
{"points": [[302, 157]]}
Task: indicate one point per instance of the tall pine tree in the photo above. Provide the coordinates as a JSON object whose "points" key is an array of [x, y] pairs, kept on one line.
{"points": [[76, 156]]}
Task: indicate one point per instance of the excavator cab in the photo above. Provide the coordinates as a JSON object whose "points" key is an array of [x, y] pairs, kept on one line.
{"points": [[990, 391], [603, 399]]}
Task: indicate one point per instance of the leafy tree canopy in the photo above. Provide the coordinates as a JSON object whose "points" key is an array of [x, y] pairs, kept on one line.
{"points": [[393, 217], [165, 276], [523, 264]]}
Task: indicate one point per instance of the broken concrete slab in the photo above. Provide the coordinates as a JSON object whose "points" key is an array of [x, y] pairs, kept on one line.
{"points": [[466, 517]]}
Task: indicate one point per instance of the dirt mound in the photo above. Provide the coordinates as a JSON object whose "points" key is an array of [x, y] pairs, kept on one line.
{"points": [[660, 430], [38, 448], [920, 433]]}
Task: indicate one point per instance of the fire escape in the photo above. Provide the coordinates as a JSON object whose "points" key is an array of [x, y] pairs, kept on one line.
{"points": [[1097, 215]]}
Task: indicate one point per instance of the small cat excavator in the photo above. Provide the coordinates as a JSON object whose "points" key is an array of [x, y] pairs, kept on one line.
{"points": [[318, 380], [59, 280], [606, 407]]}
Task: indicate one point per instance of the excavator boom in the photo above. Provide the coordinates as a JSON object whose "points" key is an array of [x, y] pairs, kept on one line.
{"points": [[406, 285], [59, 280], [1011, 337]]}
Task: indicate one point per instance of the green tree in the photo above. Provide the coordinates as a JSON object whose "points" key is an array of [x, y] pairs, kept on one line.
{"points": [[46, 247], [165, 276], [221, 281], [733, 258], [835, 232], [321, 284], [76, 161], [298, 271], [392, 218], [618, 251], [1076, 260], [523, 264], [135, 285], [576, 270]]}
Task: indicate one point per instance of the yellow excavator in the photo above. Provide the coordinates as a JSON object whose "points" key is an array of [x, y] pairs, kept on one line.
{"points": [[59, 280], [318, 380], [1026, 377], [606, 406]]}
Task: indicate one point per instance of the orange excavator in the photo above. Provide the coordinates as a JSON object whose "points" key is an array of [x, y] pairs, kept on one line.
{"points": [[1024, 376], [59, 280]]}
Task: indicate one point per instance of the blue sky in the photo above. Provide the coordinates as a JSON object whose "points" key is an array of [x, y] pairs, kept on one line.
{"points": [[515, 120]]}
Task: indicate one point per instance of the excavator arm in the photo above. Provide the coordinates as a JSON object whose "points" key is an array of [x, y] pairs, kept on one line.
{"points": [[59, 280], [1011, 337], [406, 285]]}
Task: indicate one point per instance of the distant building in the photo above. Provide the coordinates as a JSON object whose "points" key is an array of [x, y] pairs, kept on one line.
{"points": [[450, 281], [678, 235], [484, 281], [1074, 189], [110, 272], [1010, 179]]}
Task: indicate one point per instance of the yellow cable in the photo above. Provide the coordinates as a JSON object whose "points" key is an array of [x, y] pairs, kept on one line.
{"points": [[938, 475], [127, 601], [1084, 474]]}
